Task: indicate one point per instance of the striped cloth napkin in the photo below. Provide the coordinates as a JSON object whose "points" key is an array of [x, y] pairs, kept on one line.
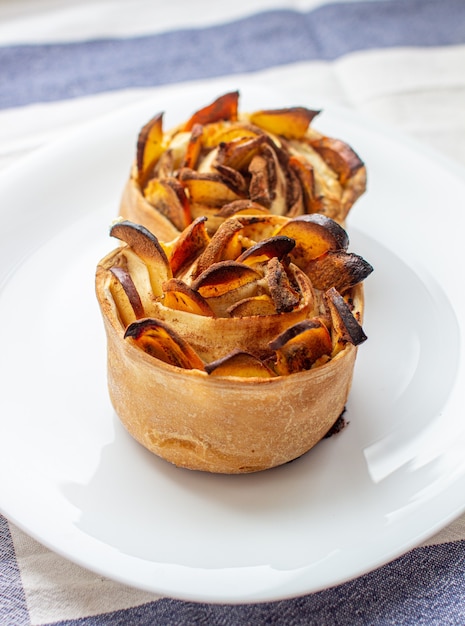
{"points": [[65, 63]]}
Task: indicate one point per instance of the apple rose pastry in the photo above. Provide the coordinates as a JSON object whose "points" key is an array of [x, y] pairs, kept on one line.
{"points": [[271, 161], [232, 352]]}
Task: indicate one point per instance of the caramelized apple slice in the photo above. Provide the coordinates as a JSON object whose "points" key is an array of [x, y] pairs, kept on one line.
{"points": [[255, 305], [355, 187], [240, 364], [233, 179], [284, 296], [306, 176], [264, 250], [190, 243], [299, 347], [258, 226], [241, 207], [169, 198], [223, 108], [210, 212], [125, 295], [339, 269], [345, 326], [206, 189], [223, 132], [165, 165], [268, 183], [314, 235], [160, 341], [223, 277], [239, 153], [227, 282], [339, 156], [339, 173], [262, 179], [181, 297], [125, 258], [328, 189], [149, 146], [223, 246], [291, 123], [147, 248], [295, 201], [194, 147]]}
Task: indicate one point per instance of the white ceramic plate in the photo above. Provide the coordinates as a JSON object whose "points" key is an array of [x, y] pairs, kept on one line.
{"points": [[73, 478]]}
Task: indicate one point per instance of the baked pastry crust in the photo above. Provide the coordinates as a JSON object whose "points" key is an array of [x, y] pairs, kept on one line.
{"points": [[221, 424]]}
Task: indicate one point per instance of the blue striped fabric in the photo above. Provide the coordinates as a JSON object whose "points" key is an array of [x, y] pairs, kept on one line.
{"points": [[425, 587], [58, 71], [13, 609]]}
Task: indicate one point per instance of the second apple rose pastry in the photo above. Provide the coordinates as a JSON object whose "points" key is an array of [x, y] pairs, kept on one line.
{"points": [[232, 350], [221, 160]]}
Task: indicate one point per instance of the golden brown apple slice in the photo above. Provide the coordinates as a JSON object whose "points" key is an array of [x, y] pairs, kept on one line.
{"points": [[283, 294], [223, 108], [239, 153], [149, 147], [268, 183], [162, 342], [306, 176], [227, 282], [190, 243], [241, 207], [339, 156], [339, 269], [223, 277], [181, 297], [224, 132], [210, 212], [134, 207], [349, 168], [264, 250], [255, 305], [328, 189], [169, 198], [258, 226], [194, 147], [177, 144], [125, 295], [291, 123], [128, 261], [240, 364], [299, 347], [314, 235], [295, 200], [355, 187], [345, 325], [263, 178], [233, 179], [165, 165], [223, 246], [148, 249], [208, 190]]}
